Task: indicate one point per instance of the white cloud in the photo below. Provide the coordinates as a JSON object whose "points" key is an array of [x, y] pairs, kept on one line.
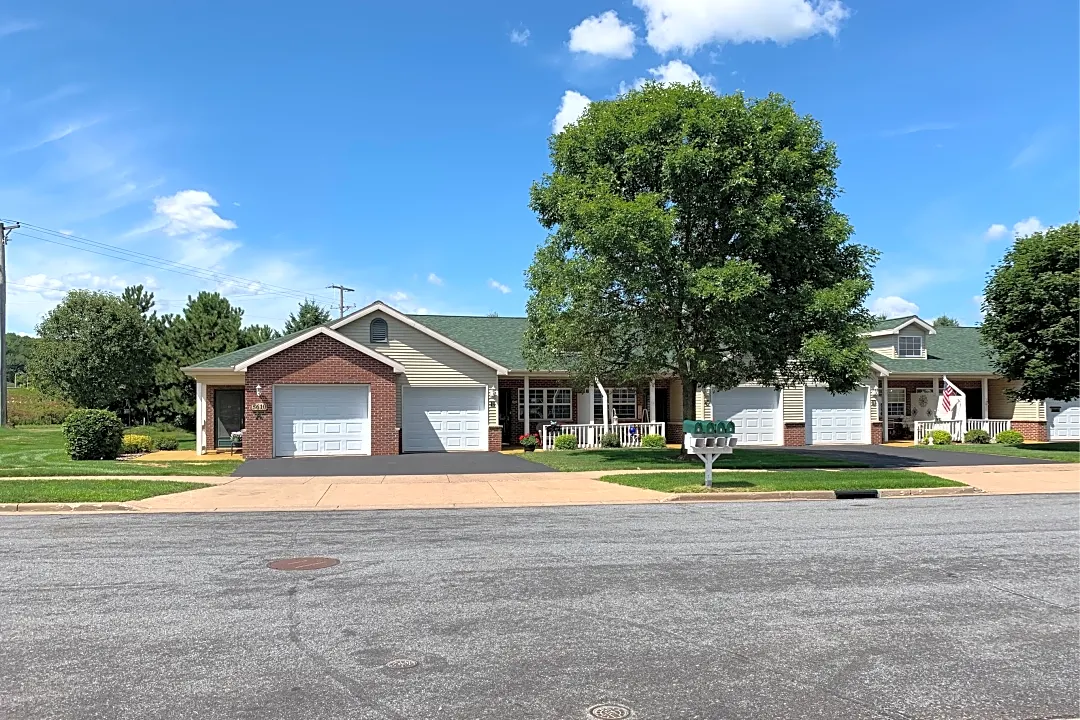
{"points": [[57, 133], [920, 128], [675, 72], [496, 285], [399, 296], [688, 24], [434, 279], [520, 37], [893, 306], [1027, 227], [603, 35], [979, 300], [190, 212], [11, 27], [995, 231], [571, 108]]}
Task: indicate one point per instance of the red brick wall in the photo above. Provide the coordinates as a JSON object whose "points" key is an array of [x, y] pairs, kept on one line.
{"points": [[1031, 429], [674, 433], [495, 438], [319, 360], [875, 433], [794, 434], [211, 398]]}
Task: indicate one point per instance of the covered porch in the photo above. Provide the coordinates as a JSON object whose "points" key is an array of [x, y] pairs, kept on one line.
{"points": [[909, 406]]}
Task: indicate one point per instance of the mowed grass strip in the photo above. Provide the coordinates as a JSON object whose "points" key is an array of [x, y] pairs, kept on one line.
{"points": [[692, 482], [38, 451], [1051, 451], [58, 490], [670, 459]]}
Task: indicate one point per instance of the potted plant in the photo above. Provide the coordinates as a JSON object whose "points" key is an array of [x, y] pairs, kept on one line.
{"points": [[529, 442]]}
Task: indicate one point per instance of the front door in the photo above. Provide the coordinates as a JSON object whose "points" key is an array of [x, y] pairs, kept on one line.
{"points": [[661, 412], [228, 416], [505, 395]]}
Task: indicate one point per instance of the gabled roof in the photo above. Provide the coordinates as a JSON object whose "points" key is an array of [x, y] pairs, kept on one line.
{"points": [[498, 338], [893, 326], [229, 360], [949, 350]]}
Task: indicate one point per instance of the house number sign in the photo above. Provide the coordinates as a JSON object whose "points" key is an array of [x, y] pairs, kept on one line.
{"points": [[258, 407]]}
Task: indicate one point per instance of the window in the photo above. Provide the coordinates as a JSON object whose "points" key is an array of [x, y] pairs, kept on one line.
{"points": [[378, 331], [623, 404], [546, 404], [910, 346], [897, 403]]}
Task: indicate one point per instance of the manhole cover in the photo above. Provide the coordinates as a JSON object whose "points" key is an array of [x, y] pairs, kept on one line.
{"points": [[402, 664], [609, 711], [303, 563]]}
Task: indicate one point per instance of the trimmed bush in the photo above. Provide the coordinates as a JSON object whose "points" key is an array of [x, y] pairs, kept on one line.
{"points": [[610, 440], [29, 406], [976, 436], [167, 443], [136, 444], [1009, 437], [93, 435], [566, 441], [941, 437], [653, 441]]}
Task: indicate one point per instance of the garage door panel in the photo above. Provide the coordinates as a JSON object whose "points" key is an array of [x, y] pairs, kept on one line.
{"points": [[442, 419], [754, 411], [1063, 419], [321, 420], [835, 419]]}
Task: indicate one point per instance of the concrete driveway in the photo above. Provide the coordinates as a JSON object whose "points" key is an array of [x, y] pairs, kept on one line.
{"points": [[887, 456], [459, 463]]}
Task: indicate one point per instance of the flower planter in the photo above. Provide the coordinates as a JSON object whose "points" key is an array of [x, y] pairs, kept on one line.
{"points": [[530, 448]]}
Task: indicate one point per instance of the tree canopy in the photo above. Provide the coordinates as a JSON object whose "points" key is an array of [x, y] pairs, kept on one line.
{"points": [[946, 321], [695, 233], [19, 350], [308, 315], [1032, 303]]}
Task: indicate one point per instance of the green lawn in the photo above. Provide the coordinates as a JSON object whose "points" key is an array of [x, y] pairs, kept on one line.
{"points": [[690, 482], [62, 491], [1052, 451], [38, 451], [644, 459]]}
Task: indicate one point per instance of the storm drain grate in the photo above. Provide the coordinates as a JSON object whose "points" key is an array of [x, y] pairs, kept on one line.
{"points": [[609, 711], [303, 563], [402, 664]]}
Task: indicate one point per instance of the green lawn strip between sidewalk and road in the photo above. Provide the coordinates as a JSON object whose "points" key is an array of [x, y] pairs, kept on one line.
{"points": [[669, 459], [59, 490], [786, 480], [1051, 451], [38, 451]]}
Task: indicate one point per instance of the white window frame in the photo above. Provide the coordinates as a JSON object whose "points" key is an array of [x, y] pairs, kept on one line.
{"points": [[889, 402], [623, 404], [546, 408], [900, 346]]}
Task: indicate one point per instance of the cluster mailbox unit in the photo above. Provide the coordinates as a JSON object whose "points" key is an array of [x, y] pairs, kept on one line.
{"points": [[708, 440]]}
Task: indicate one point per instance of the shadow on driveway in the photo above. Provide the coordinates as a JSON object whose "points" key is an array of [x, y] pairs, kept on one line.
{"points": [[460, 463], [883, 456]]}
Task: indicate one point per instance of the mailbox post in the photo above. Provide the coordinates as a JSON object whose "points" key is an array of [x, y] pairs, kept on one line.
{"points": [[708, 440]]}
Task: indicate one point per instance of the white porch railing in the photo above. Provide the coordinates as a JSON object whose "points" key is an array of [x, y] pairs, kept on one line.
{"points": [[957, 428], [588, 436]]}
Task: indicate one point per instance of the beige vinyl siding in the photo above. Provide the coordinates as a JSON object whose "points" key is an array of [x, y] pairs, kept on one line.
{"points": [[427, 361], [793, 401], [702, 407], [1001, 408], [675, 412], [884, 345]]}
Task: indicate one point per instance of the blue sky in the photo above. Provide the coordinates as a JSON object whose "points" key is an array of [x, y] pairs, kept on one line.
{"points": [[391, 147]]}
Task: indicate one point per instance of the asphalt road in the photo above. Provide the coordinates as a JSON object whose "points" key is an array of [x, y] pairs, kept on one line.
{"points": [[922, 608]]}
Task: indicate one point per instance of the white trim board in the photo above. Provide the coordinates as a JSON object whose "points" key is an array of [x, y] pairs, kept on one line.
{"points": [[380, 306]]}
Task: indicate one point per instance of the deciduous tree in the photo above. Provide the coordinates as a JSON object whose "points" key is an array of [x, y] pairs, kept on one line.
{"points": [[946, 321]]}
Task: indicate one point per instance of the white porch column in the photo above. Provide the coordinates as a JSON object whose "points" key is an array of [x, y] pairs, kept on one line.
{"points": [[592, 403], [200, 418], [985, 399], [526, 410], [884, 402], [652, 400], [604, 398]]}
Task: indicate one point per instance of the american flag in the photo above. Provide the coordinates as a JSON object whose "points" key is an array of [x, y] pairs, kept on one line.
{"points": [[947, 396]]}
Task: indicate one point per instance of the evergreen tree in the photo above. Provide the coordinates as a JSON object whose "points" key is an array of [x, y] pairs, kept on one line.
{"points": [[946, 321], [137, 297], [307, 316], [255, 334]]}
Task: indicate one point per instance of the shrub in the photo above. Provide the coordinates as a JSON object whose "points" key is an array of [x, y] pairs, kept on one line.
{"points": [[941, 437], [566, 441], [30, 406], [977, 436], [1009, 437], [136, 444], [610, 440], [653, 441], [93, 435], [167, 443]]}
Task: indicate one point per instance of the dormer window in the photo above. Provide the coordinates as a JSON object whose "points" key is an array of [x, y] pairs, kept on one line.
{"points": [[378, 331], [910, 346]]}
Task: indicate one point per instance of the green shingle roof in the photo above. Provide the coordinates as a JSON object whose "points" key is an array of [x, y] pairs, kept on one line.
{"points": [[226, 361], [951, 349], [891, 323], [496, 338]]}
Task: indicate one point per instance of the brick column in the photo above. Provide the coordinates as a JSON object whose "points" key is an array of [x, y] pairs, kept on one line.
{"points": [[1034, 430], [495, 438], [794, 434]]}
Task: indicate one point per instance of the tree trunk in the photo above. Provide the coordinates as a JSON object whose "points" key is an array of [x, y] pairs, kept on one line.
{"points": [[689, 399]]}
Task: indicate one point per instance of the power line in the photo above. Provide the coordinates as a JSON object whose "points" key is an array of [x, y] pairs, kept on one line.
{"points": [[342, 307]]}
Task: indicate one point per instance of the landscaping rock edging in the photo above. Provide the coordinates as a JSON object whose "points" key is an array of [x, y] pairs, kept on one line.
{"points": [[820, 494], [67, 507]]}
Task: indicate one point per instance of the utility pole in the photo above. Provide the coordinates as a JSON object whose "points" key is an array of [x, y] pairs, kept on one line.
{"points": [[342, 307], [5, 230]]}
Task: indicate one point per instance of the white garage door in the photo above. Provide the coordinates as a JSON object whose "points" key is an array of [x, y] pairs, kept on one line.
{"points": [[835, 419], [442, 419], [321, 420], [1064, 419], [753, 410]]}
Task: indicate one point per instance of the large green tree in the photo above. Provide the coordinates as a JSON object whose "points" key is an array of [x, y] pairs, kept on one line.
{"points": [[695, 233], [308, 315], [94, 350], [946, 321], [19, 348], [1032, 303], [255, 334]]}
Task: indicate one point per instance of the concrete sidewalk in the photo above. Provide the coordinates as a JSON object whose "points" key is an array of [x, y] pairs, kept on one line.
{"points": [[1012, 479]]}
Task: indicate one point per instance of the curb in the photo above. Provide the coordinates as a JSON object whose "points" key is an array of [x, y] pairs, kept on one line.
{"points": [[821, 494], [67, 507]]}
